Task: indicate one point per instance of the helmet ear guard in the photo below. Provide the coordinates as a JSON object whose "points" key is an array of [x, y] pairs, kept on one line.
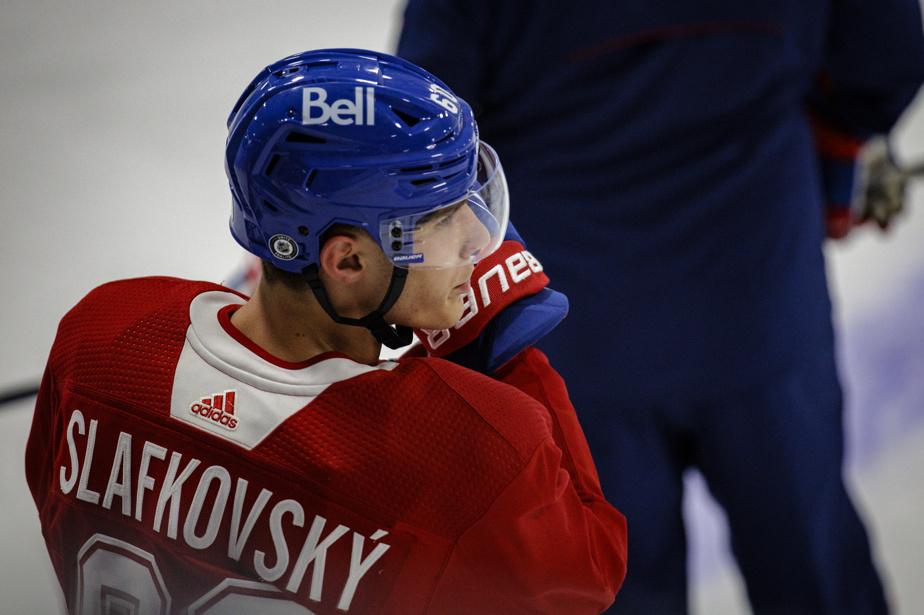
{"points": [[352, 137]]}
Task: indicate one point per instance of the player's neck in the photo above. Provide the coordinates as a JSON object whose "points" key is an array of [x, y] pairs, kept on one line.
{"points": [[291, 326]]}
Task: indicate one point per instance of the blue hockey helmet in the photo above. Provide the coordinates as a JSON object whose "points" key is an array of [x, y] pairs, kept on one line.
{"points": [[362, 138], [365, 139]]}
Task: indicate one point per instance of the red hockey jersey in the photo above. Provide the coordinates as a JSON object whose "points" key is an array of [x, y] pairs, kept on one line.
{"points": [[179, 468]]}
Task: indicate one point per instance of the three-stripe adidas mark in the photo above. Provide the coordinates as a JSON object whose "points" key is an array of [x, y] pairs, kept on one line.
{"points": [[218, 408]]}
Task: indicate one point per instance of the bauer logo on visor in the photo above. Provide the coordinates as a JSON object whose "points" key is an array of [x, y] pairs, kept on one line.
{"points": [[343, 111], [408, 259]]}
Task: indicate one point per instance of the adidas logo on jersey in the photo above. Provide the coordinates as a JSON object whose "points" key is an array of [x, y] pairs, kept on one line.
{"points": [[218, 408], [343, 111]]}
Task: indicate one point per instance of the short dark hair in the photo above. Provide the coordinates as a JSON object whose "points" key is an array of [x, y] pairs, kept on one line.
{"points": [[294, 280]]}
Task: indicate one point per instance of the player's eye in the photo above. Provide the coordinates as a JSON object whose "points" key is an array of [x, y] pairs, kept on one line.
{"points": [[439, 218], [445, 220]]}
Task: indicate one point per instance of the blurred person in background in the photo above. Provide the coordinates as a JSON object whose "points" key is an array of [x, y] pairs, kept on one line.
{"points": [[681, 164]]}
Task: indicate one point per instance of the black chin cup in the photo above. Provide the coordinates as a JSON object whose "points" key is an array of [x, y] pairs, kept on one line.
{"points": [[392, 336]]}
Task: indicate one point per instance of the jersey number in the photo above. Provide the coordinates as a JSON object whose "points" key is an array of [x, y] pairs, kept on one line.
{"points": [[444, 98], [114, 578]]}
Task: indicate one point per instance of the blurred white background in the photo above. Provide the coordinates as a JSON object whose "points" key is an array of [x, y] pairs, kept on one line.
{"points": [[112, 127]]}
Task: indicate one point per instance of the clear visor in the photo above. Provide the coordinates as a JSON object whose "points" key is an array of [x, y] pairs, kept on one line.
{"points": [[457, 234]]}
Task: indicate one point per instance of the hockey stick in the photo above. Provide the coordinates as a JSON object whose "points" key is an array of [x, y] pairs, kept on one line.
{"points": [[18, 392]]}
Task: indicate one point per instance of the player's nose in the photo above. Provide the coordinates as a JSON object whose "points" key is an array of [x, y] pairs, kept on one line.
{"points": [[476, 236]]}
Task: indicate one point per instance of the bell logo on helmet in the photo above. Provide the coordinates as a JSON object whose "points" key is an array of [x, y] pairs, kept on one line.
{"points": [[283, 247], [343, 111]]}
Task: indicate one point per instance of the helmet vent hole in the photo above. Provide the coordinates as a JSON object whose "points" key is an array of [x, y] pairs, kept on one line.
{"points": [[322, 64], [303, 230], [423, 181], [445, 164], [270, 206], [310, 179], [425, 167], [409, 120], [301, 137], [286, 72], [272, 165]]}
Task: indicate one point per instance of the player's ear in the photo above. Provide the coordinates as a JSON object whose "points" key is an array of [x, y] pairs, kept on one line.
{"points": [[341, 258]]}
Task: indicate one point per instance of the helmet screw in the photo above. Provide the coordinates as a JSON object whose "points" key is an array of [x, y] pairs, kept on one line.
{"points": [[303, 230]]}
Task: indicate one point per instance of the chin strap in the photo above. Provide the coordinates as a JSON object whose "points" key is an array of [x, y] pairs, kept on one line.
{"points": [[392, 336]]}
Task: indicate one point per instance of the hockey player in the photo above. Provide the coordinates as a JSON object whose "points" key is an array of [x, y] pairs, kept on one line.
{"points": [[196, 451], [670, 144]]}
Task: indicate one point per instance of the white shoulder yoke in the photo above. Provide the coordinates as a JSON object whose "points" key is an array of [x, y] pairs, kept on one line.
{"points": [[224, 388]]}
